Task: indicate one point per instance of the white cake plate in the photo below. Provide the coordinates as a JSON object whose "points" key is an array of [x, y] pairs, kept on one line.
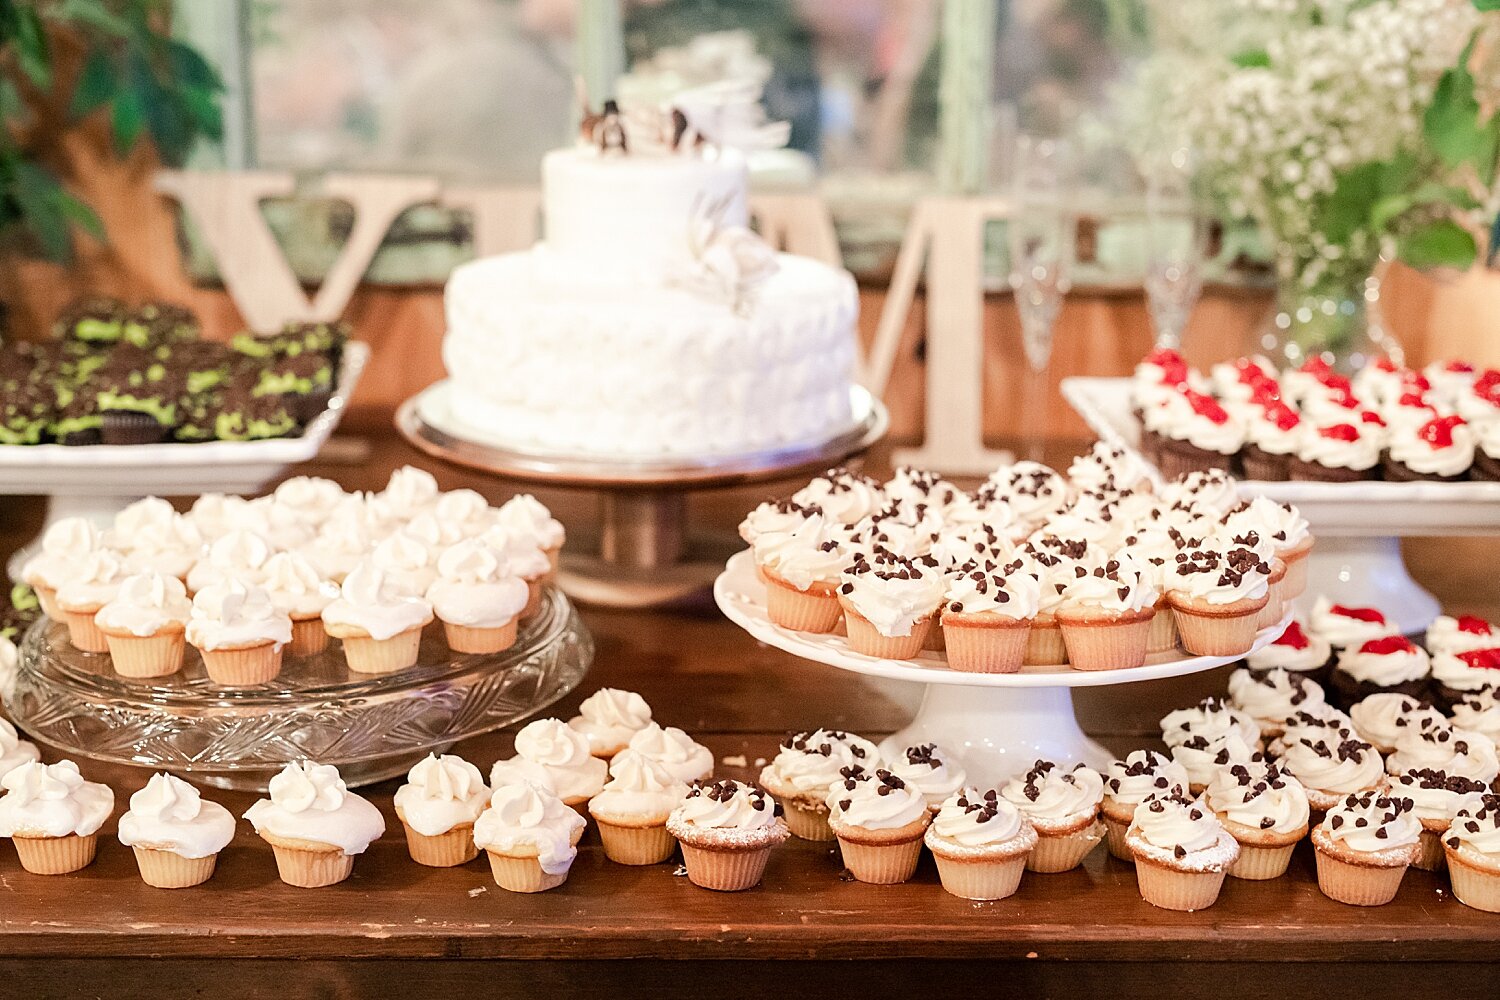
{"points": [[1358, 525], [997, 723], [97, 481], [645, 555]]}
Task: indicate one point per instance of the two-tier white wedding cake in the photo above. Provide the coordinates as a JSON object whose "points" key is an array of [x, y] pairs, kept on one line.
{"points": [[650, 322]]}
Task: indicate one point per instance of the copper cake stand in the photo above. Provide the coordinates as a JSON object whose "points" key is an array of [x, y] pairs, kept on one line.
{"points": [[646, 554]]}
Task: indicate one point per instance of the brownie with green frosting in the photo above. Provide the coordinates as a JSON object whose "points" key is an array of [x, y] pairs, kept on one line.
{"points": [[159, 324], [246, 417], [98, 320]]}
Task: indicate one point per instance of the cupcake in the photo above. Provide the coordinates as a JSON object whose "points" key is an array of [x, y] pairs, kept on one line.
{"points": [[380, 624], [1448, 634], [987, 617], [801, 570], [1127, 784], [1486, 452], [932, 771], [1297, 651], [1319, 722], [438, 807], [631, 810], [308, 499], [170, 547], [805, 768], [299, 592], [520, 556], [476, 599], [15, 751], [64, 546], [879, 821], [776, 517], [1271, 437], [136, 519], [1436, 797], [145, 625], [314, 824], [608, 719], [407, 563], [466, 512], [674, 750], [1341, 452], [1265, 810], [1391, 664], [1062, 805], [53, 816], [1203, 757], [1364, 846], [1334, 767], [1381, 719], [1342, 625], [1044, 641], [176, 834], [556, 758], [1472, 847], [727, 830], [1440, 747], [94, 581], [1217, 598], [409, 491], [1456, 675], [531, 837], [842, 495], [339, 546], [1439, 450], [525, 514], [1106, 615], [1270, 696], [1196, 434], [889, 603], [1181, 851], [239, 554], [1211, 718], [239, 633], [981, 842], [1479, 713]]}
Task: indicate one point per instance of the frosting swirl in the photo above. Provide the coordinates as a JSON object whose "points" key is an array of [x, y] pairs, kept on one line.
{"points": [[1441, 747], [1382, 718], [369, 603], [524, 514], [874, 801], [1479, 713], [473, 588], [441, 793], [146, 604], [637, 788], [1055, 797], [894, 593], [1296, 649], [1260, 796], [1435, 795], [14, 751], [808, 764], [64, 545], [311, 802], [1337, 764], [295, 588], [1346, 626], [609, 717], [1183, 826], [727, 805], [556, 757], [231, 615], [1273, 695], [522, 816], [971, 818], [52, 800], [409, 491], [931, 770], [1476, 826], [169, 815], [1141, 773], [675, 751], [1386, 661]]}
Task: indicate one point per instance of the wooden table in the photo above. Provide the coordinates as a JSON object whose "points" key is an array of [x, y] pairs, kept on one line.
{"points": [[396, 927]]}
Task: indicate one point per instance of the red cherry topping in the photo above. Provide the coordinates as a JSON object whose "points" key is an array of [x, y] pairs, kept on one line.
{"points": [[1206, 406], [1283, 416], [1342, 397], [1487, 386], [1164, 357], [1340, 432], [1415, 381], [1482, 659], [1315, 365], [1388, 644], [1415, 399], [1438, 433], [1458, 367], [1358, 614], [1266, 392], [1474, 625], [1371, 417], [1387, 365], [1294, 637]]}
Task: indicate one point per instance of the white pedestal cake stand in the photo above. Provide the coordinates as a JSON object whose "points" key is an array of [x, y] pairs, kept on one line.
{"points": [[98, 481], [645, 555], [997, 723], [1359, 526]]}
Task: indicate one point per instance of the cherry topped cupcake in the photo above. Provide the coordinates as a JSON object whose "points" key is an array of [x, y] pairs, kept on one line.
{"points": [[1457, 635], [1297, 651], [1195, 433], [1456, 675], [1482, 402], [1273, 431], [1440, 450], [1344, 625], [1390, 664], [1341, 452]]}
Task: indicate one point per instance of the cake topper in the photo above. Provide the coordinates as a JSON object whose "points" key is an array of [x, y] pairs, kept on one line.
{"points": [[726, 114]]}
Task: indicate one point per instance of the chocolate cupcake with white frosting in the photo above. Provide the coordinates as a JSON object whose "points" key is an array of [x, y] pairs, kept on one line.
{"points": [[1439, 450], [1456, 675], [1392, 664], [1297, 651]]}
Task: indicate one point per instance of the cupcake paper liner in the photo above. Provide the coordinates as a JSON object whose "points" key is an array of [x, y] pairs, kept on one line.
{"points": [[1357, 885], [309, 637], [1163, 634], [726, 871], [533, 598], [865, 638], [166, 870], [522, 874], [468, 639], [56, 855], [1045, 646], [1218, 632], [243, 667], [1062, 854], [806, 823], [980, 649], [1114, 838], [1171, 889], [882, 864], [308, 869], [1258, 864], [1473, 886], [367, 655], [978, 878], [1106, 645], [147, 656], [1432, 858], [46, 597], [445, 850], [816, 609], [1294, 584], [636, 845], [83, 633]]}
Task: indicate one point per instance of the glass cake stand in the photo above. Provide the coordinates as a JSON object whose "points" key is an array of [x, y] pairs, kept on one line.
{"points": [[646, 555], [997, 724], [371, 727]]}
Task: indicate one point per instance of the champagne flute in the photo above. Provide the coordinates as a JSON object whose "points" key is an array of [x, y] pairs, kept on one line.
{"points": [[1177, 233]]}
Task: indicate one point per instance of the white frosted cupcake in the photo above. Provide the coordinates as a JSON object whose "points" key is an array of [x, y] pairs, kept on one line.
{"points": [[1334, 767], [1181, 851], [805, 767], [879, 821], [340, 545], [175, 833], [409, 491], [609, 718], [477, 601], [406, 562], [309, 499], [801, 570], [1217, 597], [297, 590], [1435, 796], [1323, 722], [1106, 615], [380, 624], [1297, 651], [239, 633], [631, 810], [1211, 718], [1441, 747], [1364, 846], [890, 603], [170, 546], [1344, 625], [521, 555], [14, 751], [1127, 784], [64, 546], [1381, 719], [466, 511], [145, 625], [1063, 805], [93, 582], [1270, 696], [240, 555], [1479, 713], [682, 757], [531, 837], [987, 615], [1203, 758], [1472, 847], [438, 805], [315, 825], [981, 842], [1265, 810], [53, 816], [556, 757], [727, 830], [524, 513], [934, 772]]}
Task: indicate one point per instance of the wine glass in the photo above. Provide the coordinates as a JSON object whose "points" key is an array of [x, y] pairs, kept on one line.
{"points": [[1176, 244], [1042, 231]]}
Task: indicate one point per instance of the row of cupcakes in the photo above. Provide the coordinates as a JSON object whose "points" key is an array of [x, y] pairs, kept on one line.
{"points": [[281, 574], [1113, 568]]}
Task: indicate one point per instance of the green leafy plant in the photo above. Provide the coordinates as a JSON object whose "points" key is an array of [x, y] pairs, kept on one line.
{"points": [[62, 61]]}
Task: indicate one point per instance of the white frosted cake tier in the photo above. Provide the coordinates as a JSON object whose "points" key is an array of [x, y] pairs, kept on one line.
{"points": [[545, 355]]}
